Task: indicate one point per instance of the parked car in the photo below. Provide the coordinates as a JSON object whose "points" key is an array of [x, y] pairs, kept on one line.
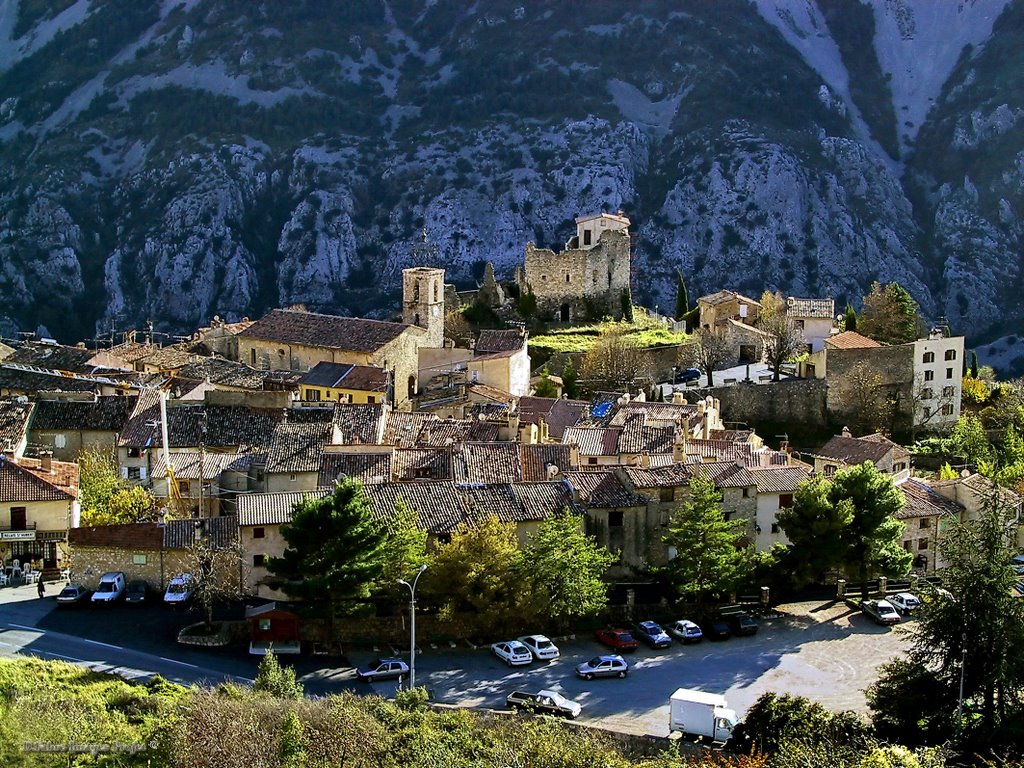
{"points": [[685, 631], [541, 647], [512, 652], [136, 592], [688, 374], [383, 669], [716, 629], [110, 588], [180, 589], [880, 611], [73, 594], [905, 602], [652, 634], [617, 639], [741, 624], [603, 666], [550, 702]]}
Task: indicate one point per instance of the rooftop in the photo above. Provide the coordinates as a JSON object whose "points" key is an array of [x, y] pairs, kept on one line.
{"points": [[851, 340], [810, 308], [346, 376], [312, 329]]}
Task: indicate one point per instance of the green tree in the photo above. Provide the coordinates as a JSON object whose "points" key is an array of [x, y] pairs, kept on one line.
{"points": [[682, 297], [217, 568], [528, 305], [291, 742], [974, 364], [614, 362], [815, 527], [977, 630], [850, 318], [710, 557], [569, 377], [969, 440], [404, 551], [545, 387], [626, 305], [890, 315], [275, 680], [479, 569], [776, 722], [872, 539], [565, 570], [910, 705], [335, 549], [105, 497]]}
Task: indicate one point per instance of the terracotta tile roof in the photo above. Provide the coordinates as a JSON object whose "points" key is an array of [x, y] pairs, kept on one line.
{"points": [[14, 421], [187, 465], [128, 536], [224, 373], [672, 476], [779, 479], [359, 423], [104, 414], [724, 474], [854, 450], [732, 435], [637, 438], [766, 457], [54, 356], [593, 441], [655, 414], [221, 531], [536, 458], [922, 501], [19, 484], [500, 341], [476, 463], [315, 330], [271, 508], [346, 376], [719, 450], [557, 413], [422, 464], [603, 490], [30, 382], [445, 432], [369, 468], [850, 340], [225, 426], [720, 297], [403, 428], [519, 502], [494, 394], [297, 447], [810, 308], [439, 507]]}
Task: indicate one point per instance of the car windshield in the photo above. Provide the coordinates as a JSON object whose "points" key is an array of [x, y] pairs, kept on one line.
{"points": [[177, 589], [68, 592], [625, 637], [107, 586], [136, 587], [543, 643], [594, 661]]}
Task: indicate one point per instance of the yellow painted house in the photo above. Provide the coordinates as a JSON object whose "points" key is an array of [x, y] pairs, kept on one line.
{"points": [[344, 383]]}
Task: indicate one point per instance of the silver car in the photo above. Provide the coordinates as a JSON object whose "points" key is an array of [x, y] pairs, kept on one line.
{"points": [[541, 647], [603, 666]]}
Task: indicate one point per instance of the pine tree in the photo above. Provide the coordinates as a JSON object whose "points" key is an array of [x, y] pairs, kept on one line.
{"points": [[569, 377], [974, 364], [682, 297], [275, 680], [850, 319]]}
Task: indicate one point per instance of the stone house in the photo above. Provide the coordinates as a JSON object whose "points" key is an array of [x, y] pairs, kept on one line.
{"points": [[551, 415], [297, 341], [923, 514], [38, 503], [619, 519], [973, 491], [814, 318], [775, 489], [588, 279], [844, 451], [732, 316], [79, 422]]}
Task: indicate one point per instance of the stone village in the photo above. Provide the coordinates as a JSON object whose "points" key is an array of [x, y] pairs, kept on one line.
{"points": [[237, 424]]}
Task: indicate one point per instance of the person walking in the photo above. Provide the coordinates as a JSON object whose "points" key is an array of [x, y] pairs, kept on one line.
{"points": [[40, 587]]}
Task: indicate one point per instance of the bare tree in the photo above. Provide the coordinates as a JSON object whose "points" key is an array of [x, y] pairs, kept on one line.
{"points": [[783, 339], [615, 363], [928, 402], [867, 401], [708, 352], [218, 570]]}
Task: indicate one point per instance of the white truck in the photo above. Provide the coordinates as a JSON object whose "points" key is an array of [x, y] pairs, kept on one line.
{"points": [[699, 713]]}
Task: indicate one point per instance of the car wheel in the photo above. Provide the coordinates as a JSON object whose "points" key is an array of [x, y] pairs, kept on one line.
{"points": [[588, 676], [622, 674], [508, 662]]}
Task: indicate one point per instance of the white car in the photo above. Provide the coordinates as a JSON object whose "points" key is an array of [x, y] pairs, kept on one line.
{"points": [[179, 589], [541, 647], [904, 602], [110, 588], [685, 631], [512, 652]]}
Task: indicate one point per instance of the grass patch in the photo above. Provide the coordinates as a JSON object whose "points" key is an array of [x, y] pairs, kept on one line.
{"points": [[644, 331]]}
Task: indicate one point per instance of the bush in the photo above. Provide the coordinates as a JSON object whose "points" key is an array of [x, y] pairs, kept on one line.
{"points": [[275, 680]]}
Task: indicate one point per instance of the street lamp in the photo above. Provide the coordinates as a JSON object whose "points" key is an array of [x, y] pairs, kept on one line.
{"points": [[412, 624]]}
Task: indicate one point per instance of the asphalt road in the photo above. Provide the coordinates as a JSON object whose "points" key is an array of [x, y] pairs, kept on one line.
{"points": [[828, 653]]}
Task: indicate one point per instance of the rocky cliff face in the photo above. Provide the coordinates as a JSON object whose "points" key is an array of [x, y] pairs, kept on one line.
{"points": [[169, 160]]}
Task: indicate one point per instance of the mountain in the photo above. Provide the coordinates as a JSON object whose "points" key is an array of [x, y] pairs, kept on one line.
{"points": [[170, 160]]}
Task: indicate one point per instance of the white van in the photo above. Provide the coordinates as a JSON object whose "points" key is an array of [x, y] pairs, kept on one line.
{"points": [[111, 587], [179, 589]]}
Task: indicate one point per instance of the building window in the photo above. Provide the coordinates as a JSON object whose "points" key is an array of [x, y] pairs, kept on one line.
{"points": [[138, 559], [951, 354], [586, 237], [922, 543], [785, 500], [258, 561], [949, 373], [543, 278], [929, 357], [775, 527], [259, 533], [926, 412], [567, 277], [947, 409], [929, 375], [899, 467], [830, 469], [927, 394], [292, 477], [252, 357], [798, 324], [134, 473], [615, 519], [134, 453], [371, 399], [666, 494], [926, 522], [18, 518], [313, 395], [592, 460], [746, 493], [59, 441], [183, 487]]}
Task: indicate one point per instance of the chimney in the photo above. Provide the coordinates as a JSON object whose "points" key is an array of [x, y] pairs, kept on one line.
{"points": [[552, 471], [46, 461], [846, 432]]}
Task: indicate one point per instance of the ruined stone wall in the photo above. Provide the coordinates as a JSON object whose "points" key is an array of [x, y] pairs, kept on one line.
{"points": [[589, 281], [894, 367], [798, 401]]}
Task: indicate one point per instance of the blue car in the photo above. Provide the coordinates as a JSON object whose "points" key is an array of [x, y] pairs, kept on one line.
{"points": [[652, 634], [688, 374]]}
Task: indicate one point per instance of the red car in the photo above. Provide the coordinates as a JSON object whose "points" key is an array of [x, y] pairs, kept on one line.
{"points": [[619, 639]]}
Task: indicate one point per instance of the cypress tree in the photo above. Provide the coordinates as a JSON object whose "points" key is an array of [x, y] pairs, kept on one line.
{"points": [[850, 320], [974, 364], [682, 297]]}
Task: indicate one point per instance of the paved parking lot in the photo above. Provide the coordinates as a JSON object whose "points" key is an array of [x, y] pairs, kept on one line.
{"points": [[826, 652]]}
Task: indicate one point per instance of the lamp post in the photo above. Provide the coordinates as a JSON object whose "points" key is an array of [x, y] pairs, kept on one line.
{"points": [[412, 624]]}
